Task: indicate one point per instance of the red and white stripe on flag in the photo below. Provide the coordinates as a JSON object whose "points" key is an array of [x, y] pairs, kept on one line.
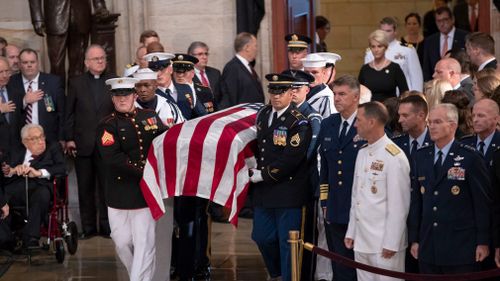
{"points": [[207, 157]]}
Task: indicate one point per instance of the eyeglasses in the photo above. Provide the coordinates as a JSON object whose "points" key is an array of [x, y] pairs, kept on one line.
{"points": [[201, 54], [103, 58], [36, 139]]}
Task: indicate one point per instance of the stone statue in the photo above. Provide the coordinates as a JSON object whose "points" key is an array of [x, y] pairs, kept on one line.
{"points": [[67, 25]]}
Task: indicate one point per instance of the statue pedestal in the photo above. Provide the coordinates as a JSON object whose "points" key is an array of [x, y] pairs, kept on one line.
{"points": [[103, 33]]}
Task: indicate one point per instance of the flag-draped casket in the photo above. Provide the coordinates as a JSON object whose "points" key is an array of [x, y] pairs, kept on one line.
{"points": [[208, 157]]}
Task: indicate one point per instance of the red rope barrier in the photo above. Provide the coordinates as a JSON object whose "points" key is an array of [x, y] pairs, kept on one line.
{"points": [[396, 274]]}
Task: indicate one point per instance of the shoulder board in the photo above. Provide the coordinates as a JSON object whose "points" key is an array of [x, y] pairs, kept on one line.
{"points": [[392, 149], [468, 147], [398, 136], [409, 45], [467, 136], [297, 114]]}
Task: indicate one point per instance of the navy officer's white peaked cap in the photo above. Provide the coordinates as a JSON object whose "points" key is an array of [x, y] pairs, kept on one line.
{"points": [[153, 57], [332, 58], [313, 60], [145, 74]]}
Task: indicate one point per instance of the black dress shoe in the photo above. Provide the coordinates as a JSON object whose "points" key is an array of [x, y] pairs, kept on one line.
{"points": [[86, 235]]}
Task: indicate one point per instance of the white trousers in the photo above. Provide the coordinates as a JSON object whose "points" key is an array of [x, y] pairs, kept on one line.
{"points": [[133, 232], [396, 263], [323, 265], [164, 229]]}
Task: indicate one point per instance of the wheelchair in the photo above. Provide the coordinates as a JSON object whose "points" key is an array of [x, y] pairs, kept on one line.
{"points": [[56, 229]]}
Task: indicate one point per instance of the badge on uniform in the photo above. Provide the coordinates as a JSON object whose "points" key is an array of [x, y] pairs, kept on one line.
{"points": [[377, 166], [209, 106], [455, 190], [422, 189], [456, 173], [107, 139], [150, 124], [295, 140], [279, 136], [189, 99], [49, 103]]}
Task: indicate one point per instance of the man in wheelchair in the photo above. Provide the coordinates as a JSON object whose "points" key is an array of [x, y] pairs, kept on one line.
{"points": [[29, 174]]}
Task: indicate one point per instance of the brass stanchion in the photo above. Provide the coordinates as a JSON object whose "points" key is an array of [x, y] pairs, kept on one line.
{"points": [[294, 241]]}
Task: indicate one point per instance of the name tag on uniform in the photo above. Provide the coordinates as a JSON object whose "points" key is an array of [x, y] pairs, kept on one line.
{"points": [[456, 173]]}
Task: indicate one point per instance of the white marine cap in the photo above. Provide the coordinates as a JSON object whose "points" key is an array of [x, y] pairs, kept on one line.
{"points": [[122, 83], [313, 60], [145, 74], [330, 57], [130, 69], [158, 56]]}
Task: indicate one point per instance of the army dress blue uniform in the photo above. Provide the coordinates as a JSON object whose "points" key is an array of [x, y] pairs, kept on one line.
{"points": [[338, 158], [451, 216], [278, 199]]}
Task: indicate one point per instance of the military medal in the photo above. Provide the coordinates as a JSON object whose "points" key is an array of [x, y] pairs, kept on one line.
{"points": [[374, 189], [455, 190], [152, 122], [49, 104], [209, 106], [169, 122], [456, 173], [279, 136], [422, 189], [377, 166], [189, 99]]}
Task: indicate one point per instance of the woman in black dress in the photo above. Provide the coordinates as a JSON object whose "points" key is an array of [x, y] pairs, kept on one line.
{"points": [[381, 75], [413, 35]]}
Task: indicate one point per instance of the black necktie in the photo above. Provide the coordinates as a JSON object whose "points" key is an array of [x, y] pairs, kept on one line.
{"points": [[481, 147], [437, 165], [254, 74], [343, 131], [414, 145], [275, 118]]}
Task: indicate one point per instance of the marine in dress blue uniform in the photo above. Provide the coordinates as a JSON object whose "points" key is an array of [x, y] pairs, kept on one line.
{"points": [[283, 137], [339, 144], [123, 141], [449, 224]]}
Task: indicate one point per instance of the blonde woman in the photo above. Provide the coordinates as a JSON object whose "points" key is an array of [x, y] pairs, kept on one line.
{"points": [[381, 75], [434, 91]]}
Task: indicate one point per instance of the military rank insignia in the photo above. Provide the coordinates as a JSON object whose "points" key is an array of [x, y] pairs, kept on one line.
{"points": [[49, 103], [189, 99], [107, 139], [279, 136], [456, 173], [295, 140], [150, 124]]}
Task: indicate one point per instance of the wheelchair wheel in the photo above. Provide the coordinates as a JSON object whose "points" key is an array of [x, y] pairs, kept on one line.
{"points": [[71, 237], [59, 248]]}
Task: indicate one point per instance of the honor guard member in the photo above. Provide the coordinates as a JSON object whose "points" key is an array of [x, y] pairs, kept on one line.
{"points": [[320, 97], [123, 140], [449, 224], [403, 54], [283, 137], [331, 60], [297, 50], [168, 112], [130, 69], [300, 90], [184, 73], [191, 212], [412, 111], [339, 144], [380, 197], [180, 94]]}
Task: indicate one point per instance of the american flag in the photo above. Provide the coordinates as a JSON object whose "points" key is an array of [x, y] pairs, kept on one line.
{"points": [[207, 157]]}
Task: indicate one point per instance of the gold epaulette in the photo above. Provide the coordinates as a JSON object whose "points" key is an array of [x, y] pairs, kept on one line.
{"points": [[392, 149]]}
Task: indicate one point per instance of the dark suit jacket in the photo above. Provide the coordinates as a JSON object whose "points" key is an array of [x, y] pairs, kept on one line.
{"points": [[84, 110], [52, 122], [432, 50], [238, 85], [492, 64], [10, 138], [461, 13], [466, 87], [52, 160], [214, 76], [57, 14]]}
